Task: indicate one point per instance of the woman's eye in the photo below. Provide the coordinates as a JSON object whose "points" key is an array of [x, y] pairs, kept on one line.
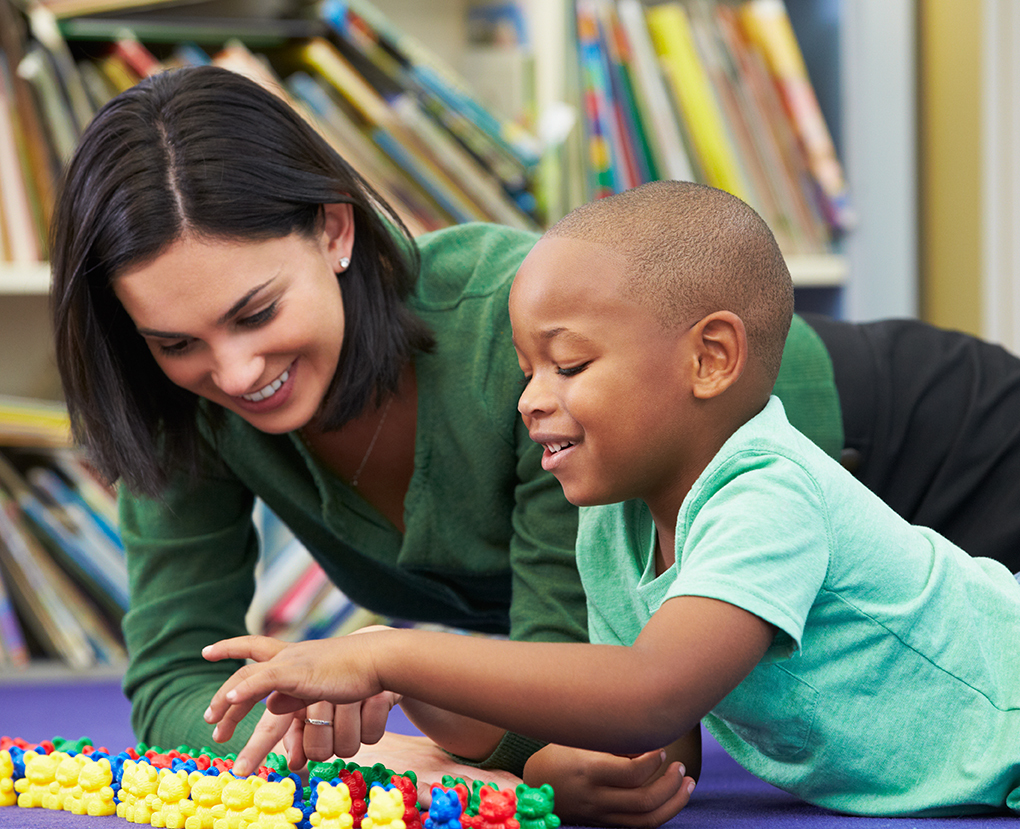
{"points": [[260, 318], [175, 349]]}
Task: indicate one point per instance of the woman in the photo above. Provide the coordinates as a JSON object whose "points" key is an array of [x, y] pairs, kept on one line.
{"points": [[238, 315]]}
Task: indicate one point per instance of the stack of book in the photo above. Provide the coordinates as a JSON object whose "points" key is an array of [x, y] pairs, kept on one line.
{"points": [[714, 92], [63, 575], [700, 90], [403, 120]]}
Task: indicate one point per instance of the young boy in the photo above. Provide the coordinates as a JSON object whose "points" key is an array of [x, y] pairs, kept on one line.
{"points": [[735, 574]]}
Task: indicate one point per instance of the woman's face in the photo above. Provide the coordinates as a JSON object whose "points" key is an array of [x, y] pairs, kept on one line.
{"points": [[253, 326]]}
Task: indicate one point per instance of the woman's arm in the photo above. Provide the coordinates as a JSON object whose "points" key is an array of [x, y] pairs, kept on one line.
{"points": [[599, 697], [191, 560]]}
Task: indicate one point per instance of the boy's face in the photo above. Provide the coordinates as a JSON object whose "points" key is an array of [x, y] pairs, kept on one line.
{"points": [[605, 392]]}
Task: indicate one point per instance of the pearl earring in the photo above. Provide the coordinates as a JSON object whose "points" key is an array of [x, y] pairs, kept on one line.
{"points": [[344, 262]]}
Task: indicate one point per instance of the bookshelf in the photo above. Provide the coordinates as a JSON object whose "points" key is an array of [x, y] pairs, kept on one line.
{"points": [[824, 274], [442, 26]]}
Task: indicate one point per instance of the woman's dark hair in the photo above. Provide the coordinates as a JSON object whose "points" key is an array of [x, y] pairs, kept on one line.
{"points": [[207, 152]]}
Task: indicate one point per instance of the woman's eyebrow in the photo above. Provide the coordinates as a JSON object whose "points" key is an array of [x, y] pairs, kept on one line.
{"points": [[238, 306], [232, 312]]}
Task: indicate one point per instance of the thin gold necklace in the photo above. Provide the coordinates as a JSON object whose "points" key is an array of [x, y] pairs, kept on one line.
{"points": [[371, 444]]}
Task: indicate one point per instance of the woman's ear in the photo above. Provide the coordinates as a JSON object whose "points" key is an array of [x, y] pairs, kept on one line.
{"points": [[720, 347], [338, 234]]}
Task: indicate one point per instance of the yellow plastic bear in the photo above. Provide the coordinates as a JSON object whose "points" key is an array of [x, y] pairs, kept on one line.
{"points": [[206, 791], [138, 782], [93, 795], [65, 780], [274, 802], [40, 770], [8, 797], [385, 809], [236, 810], [173, 807], [332, 807]]}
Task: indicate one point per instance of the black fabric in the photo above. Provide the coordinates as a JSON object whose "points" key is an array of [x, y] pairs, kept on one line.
{"points": [[932, 424]]}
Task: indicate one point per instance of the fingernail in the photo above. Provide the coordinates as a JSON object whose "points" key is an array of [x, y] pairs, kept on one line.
{"points": [[207, 716], [231, 696], [690, 787], [662, 756], [683, 771]]}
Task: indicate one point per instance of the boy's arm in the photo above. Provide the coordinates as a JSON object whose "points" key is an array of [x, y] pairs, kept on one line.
{"points": [[601, 697]]}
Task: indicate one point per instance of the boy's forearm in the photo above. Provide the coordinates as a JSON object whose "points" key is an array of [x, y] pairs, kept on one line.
{"points": [[607, 698], [589, 696], [463, 736]]}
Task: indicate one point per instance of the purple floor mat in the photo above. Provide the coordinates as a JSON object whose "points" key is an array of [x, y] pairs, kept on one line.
{"points": [[727, 795]]}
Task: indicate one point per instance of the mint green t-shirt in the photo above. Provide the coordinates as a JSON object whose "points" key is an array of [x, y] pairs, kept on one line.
{"points": [[892, 686]]}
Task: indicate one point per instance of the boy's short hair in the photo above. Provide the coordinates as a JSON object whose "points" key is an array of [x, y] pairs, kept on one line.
{"points": [[694, 250]]}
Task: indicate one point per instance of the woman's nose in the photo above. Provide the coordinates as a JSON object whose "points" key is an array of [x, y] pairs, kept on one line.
{"points": [[237, 370]]}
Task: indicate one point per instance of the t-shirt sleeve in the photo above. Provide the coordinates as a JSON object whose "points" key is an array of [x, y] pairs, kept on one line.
{"points": [[759, 540]]}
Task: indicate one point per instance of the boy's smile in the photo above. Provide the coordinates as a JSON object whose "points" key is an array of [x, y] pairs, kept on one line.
{"points": [[605, 394]]}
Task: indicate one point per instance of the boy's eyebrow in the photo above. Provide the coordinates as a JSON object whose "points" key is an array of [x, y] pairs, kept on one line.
{"points": [[232, 312], [550, 333]]}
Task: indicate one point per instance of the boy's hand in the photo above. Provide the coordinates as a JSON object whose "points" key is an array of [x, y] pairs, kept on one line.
{"points": [[597, 789], [301, 680]]}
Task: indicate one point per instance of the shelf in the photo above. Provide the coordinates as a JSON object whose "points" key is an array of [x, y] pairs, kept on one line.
{"points": [[808, 271], [24, 279], [824, 270]]}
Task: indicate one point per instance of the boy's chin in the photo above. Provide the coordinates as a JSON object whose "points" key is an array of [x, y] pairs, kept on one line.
{"points": [[582, 498]]}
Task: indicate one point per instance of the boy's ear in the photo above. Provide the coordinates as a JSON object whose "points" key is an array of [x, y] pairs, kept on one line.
{"points": [[338, 233], [720, 350]]}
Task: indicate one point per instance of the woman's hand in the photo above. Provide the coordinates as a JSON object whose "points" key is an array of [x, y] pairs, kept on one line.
{"points": [[596, 789]]}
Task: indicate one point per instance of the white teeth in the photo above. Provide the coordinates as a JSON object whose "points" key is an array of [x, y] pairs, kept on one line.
{"points": [[269, 390], [557, 447]]}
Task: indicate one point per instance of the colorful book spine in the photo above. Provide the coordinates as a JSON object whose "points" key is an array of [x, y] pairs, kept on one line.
{"points": [[604, 174], [768, 25], [674, 42]]}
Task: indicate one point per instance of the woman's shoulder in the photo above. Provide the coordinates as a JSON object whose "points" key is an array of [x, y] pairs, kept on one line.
{"points": [[469, 260]]}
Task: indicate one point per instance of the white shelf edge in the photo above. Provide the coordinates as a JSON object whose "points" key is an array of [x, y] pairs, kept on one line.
{"points": [[32, 278], [807, 270], [823, 270]]}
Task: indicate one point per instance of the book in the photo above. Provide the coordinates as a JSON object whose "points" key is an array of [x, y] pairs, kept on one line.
{"points": [[634, 136], [13, 647], [781, 155], [433, 74], [651, 95], [44, 596], [26, 421], [418, 212], [62, 525], [478, 166], [768, 25], [21, 232], [604, 171], [41, 165], [36, 67], [43, 27], [673, 39]]}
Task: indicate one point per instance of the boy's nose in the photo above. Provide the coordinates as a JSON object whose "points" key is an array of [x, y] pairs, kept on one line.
{"points": [[534, 399]]}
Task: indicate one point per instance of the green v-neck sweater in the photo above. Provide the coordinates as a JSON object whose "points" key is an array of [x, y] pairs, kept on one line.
{"points": [[489, 538]]}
